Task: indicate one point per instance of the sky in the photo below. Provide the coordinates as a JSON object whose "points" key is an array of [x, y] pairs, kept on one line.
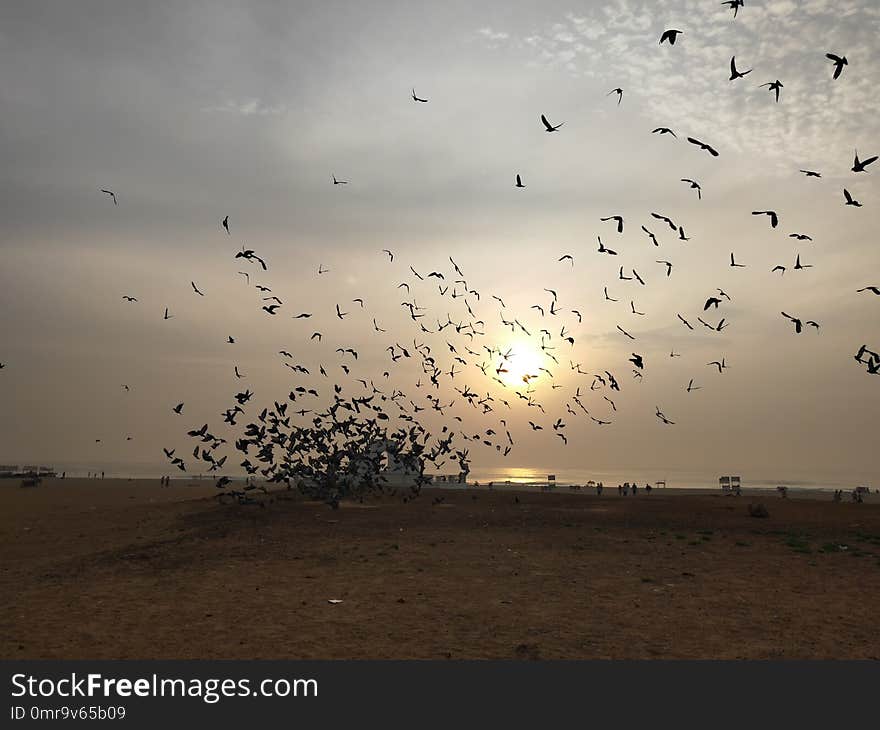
{"points": [[192, 111]]}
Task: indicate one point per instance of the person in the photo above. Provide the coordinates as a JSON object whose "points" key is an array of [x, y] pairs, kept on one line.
{"points": [[63, 474], [648, 488], [836, 497], [102, 475], [599, 489], [625, 489], [635, 486]]}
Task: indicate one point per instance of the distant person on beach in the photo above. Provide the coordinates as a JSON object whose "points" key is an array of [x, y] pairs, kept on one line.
{"points": [[648, 488], [102, 475], [63, 474], [635, 486], [599, 489]]}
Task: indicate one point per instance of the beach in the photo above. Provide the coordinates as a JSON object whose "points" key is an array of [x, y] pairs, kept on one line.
{"points": [[107, 569]]}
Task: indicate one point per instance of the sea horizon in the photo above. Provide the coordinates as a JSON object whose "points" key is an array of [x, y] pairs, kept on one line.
{"points": [[514, 475]]}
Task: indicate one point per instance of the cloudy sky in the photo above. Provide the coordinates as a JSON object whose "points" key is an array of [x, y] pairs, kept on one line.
{"points": [[192, 111]]}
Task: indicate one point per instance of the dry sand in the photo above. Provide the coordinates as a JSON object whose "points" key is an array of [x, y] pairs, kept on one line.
{"points": [[120, 569]]}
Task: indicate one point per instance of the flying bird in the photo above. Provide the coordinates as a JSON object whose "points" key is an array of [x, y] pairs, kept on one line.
{"points": [[602, 249], [694, 186], [670, 35], [416, 98], [774, 86], [839, 63], [339, 182], [850, 200], [111, 194], [549, 127], [519, 183], [874, 289], [617, 218], [196, 289], [734, 74], [811, 173], [860, 165], [703, 146], [734, 264], [225, 224], [128, 298], [619, 93], [774, 219], [734, 5], [664, 130]]}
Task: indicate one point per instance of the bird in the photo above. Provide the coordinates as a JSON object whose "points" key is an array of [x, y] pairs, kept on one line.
{"points": [[663, 218], [196, 289], [638, 361], [694, 186], [178, 408], [811, 173], [860, 165], [774, 86], [225, 224], [703, 146], [711, 302], [128, 298], [720, 365], [416, 98], [321, 269], [619, 93], [800, 236], [111, 194], [339, 182], [798, 325], [602, 249], [850, 200], [663, 418], [519, 183], [617, 218], [734, 5], [167, 316], [549, 127], [664, 130], [839, 63], [339, 313], [390, 255], [798, 265], [230, 340], [734, 264], [778, 268], [668, 267], [692, 387], [734, 74], [774, 218], [608, 298], [651, 236], [670, 35], [874, 289], [250, 255], [568, 257], [271, 309]]}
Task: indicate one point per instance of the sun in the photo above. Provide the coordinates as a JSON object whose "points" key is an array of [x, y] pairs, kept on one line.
{"points": [[519, 364]]}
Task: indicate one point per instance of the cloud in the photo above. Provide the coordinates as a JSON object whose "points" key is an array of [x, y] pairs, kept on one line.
{"points": [[688, 84], [248, 107]]}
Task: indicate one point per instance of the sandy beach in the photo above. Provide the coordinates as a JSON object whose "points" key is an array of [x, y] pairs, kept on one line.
{"points": [[127, 569]]}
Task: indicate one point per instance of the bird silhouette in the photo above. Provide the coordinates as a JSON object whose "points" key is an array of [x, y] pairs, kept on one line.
{"points": [[774, 219], [416, 98], [549, 127], [703, 146], [111, 194], [225, 224], [734, 74], [860, 165], [619, 93], [850, 200], [774, 86], [839, 63], [519, 183], [670, 35]]}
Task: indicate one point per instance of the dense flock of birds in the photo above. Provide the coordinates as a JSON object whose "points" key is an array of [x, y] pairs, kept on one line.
{"points": [[334, 440]]}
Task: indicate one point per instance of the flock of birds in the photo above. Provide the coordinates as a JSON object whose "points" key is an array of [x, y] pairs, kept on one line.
{"points": [[335, 439]]}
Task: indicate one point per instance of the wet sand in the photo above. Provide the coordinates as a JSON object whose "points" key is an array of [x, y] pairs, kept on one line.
{"points": [[127, 569]]}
